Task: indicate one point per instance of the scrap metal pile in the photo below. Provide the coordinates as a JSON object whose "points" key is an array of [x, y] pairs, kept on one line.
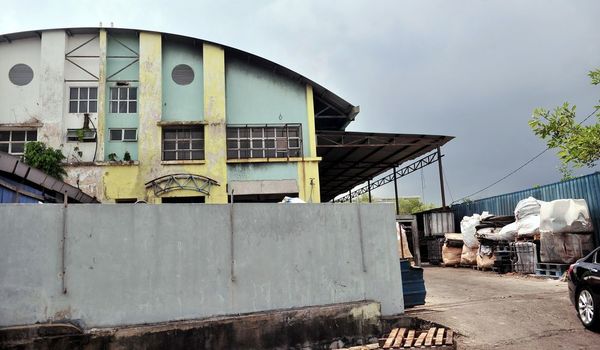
{"points": [[542, 238]]}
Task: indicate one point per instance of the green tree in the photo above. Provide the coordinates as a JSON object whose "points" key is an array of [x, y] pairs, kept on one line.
{"points": [[578, 145], [47, 159], [413, 205]]}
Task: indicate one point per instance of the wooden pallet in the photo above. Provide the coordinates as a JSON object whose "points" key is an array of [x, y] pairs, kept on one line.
{"points": [[551, 269], [402, 338]]}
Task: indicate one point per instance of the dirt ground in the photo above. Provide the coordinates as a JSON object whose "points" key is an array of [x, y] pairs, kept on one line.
{"points": [[492, 311]]}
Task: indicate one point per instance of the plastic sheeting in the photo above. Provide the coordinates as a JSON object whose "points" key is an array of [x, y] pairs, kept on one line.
{"points": [[565, 215], [527, 213], [467, 228]]}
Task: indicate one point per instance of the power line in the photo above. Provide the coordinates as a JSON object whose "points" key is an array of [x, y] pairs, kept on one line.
{"points": [[523, 165]]}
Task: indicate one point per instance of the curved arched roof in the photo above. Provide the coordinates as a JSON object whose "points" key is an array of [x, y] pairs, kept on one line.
{"points": [[331, 111]]}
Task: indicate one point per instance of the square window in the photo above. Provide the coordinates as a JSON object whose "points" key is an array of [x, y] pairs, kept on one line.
{"points": [[196, 134], [114, 93], [197, 155], [116, 134], [18, 148], [93, 107], [183, 145], [133, 93], [73, 93], [169, 145], [122, 107], [169, 155], [83, 107], [93, 93], [32, 135], [18, 136], [4, 147], [122, 93], [130, 134], [232, 144], [197, 144], [83, 93], [5, 135], [170, 134], [183, 134], [183, 155], [73, 107], [256, 132], [230, 154], [114, 106], [132, 107], [232, 133]]}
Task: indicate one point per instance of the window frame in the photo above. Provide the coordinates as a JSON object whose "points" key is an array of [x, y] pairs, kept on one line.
{"points": [[181, 128], [127, 100], [264, 141], [122, 132], [11, 142], [78, 100]]}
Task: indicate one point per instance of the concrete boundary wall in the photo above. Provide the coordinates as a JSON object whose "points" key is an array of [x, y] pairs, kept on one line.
{"points": [[132, 264]]}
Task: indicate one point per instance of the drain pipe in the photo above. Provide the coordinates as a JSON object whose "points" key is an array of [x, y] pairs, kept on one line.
{"points": [[64, 242]]}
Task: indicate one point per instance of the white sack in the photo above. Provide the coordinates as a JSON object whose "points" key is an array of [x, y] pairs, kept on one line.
{"points": [[565, 215], [508, 232], [467, 228], [527, 207], [528, 226], [403, 249]]}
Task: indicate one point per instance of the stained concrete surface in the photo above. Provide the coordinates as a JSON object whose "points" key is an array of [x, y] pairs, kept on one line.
{"points": [[492, 311]]}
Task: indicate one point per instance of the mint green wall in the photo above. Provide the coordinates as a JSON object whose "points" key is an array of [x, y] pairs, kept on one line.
{"points": [[262, 171], [131, 74], [182, 102], [258, 96], [114, 48]]}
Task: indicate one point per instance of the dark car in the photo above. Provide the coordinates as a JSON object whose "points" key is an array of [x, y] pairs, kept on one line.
{"points": [[584, 289]]}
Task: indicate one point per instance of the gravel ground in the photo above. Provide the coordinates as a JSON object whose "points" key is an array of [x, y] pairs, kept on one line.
{"points": [[511, 311]]}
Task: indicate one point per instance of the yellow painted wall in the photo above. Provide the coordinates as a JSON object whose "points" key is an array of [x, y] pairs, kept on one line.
{"points": [[215, 132], [308, 169]]}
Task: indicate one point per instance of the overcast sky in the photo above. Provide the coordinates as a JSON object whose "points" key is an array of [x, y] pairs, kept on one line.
{"points": [[471, 69]]}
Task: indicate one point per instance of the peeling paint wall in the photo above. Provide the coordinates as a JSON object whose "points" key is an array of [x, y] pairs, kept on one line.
{"points": [[20, 104], [80, 45], [225, 90]]}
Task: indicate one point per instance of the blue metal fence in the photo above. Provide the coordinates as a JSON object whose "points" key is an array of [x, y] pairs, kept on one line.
{"points": [[586, 187]]}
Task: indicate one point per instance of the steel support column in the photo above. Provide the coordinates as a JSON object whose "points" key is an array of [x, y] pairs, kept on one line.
{"points": [[396, 192], [369, 184], [439, 152]]}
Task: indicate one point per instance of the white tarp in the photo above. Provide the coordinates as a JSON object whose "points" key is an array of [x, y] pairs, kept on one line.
{"points": [[565, 215]]}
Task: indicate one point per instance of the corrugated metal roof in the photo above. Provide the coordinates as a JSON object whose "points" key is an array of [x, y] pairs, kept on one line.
{"points": [[585, 187], [352, 158]]}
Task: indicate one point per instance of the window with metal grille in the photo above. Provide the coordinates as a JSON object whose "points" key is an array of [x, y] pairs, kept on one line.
{"points": [[83, 100], [128, 135], [183, 143], [13, 141], [123, 100], [264, 141]]}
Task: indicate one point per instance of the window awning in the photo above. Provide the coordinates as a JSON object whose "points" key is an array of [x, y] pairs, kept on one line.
{"points": [[352, 158]]}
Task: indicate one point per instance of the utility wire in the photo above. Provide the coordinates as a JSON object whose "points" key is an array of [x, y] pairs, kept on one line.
{"points": [[522, 166]]}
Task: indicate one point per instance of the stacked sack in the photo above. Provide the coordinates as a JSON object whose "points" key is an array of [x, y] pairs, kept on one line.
{"points": [[565, 231], [468, 228], [527, 213], [452, 248], [491, 233]]}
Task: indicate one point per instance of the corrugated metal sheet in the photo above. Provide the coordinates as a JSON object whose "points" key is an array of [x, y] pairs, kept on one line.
{"points": [[438, 223], [8, 195], [586, 187]]}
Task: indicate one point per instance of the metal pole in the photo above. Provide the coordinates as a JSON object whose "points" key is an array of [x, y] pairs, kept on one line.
{"points": [[350, 195], [64, 243], [369, 184], [396, 192], [439, 152]]}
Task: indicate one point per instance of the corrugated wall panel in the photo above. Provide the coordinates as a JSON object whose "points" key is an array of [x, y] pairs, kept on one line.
{"points": [[586, 187]]}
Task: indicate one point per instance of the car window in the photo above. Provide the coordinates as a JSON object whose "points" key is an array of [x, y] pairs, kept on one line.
{"points": [[596, 257]]}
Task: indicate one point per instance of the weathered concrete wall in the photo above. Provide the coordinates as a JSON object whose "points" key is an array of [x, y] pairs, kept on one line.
{"points": [[128, 264]]}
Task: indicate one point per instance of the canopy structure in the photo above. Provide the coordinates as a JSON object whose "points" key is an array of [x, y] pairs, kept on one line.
{"points": [[352, 158]]}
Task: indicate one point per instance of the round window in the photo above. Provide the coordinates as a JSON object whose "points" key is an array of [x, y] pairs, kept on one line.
{"points": [[20, 74], [182, 74]]}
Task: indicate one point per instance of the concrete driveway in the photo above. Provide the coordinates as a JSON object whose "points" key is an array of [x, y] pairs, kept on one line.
{"points": [[492, 311]]}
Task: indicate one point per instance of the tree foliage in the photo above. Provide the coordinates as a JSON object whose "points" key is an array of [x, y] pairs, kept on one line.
{"points": [[578, 145], [47, 159], [413, 205]]}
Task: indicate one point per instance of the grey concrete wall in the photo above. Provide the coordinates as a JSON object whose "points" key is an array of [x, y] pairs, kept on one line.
{"points": [[128, 264]]}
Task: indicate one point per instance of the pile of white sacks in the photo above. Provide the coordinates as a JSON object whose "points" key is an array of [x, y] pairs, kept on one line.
{"points": [[564, 227]]}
